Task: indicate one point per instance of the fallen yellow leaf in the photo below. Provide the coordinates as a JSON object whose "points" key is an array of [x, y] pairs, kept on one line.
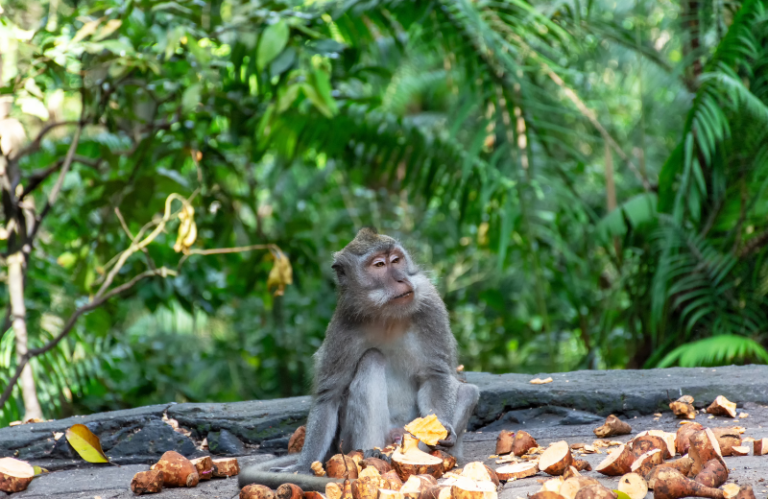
{"points": [[86, 444]]}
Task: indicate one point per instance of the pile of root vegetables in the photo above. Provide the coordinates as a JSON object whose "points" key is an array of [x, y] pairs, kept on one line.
{"points": [[175, 470], [688, 463]]}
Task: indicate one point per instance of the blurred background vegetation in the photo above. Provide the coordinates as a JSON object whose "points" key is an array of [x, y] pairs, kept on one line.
{"points": [[584, 178]]}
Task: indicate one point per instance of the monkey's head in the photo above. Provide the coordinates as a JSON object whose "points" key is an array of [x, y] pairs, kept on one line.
{"points": [[377, 278]]}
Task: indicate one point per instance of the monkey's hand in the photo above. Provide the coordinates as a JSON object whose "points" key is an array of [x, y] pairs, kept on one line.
{"points": [[448, 441]]}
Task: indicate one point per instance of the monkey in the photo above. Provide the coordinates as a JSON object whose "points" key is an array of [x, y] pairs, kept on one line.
{"points": [[388, 357]]}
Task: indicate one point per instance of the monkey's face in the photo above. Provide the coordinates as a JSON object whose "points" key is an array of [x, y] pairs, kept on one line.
{"points": [[389, 283]]}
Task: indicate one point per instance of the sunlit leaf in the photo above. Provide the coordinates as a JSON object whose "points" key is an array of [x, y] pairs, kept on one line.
{"points": [[87, 30], [272, 42], [110, 27], [86, 444]]}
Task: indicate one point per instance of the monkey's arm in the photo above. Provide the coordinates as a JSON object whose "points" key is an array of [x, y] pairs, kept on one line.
{"points": [[259, 473]]}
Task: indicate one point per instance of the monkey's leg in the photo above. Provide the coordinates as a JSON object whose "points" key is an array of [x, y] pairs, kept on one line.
{"points": [[365, 415], [466, 399]]}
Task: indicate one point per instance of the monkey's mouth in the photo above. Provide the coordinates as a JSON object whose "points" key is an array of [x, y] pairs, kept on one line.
{"points": [[403, 297]]}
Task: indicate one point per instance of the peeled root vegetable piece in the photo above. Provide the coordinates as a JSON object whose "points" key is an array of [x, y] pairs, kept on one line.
{"points": [[479, 472], [390, 494], [409, 460], [465, 488], [643, 443], [204, 467], [571, 486], [633, 485], [571, 472], [15, 475], [438, 492], [290, 491], [255, 491], [714, 474], [225, 467], [671, 484], [619, 462], [418, 486], [521, 470], [522, 442], [746, 492], [730, 490], [722, 407], [684, 433], [595, 492], [683, 465], [392, 480], [341, 466], [379, 465], [760, 446], [449, 462], [427, 429], [683, 410], [727, 438], [739, 450], [553, 484], [317, 468], [704, 447], [366, 487], [582, 465], [613, 426], [147, 482], [178, 471], [296, 442], [646, 462], [504, 442], [556, 458]]}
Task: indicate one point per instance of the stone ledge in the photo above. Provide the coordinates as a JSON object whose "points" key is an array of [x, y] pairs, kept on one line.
{"points": [[140, 435]]}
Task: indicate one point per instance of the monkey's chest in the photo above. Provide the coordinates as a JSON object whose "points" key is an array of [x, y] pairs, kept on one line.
{"points": [[402, 384]]}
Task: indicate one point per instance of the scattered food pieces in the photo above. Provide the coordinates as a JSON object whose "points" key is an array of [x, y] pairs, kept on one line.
{"points": [[341, 466], [683, 407], [522, 443], [539, 381], [671, 484], [760, 446], [449, 462], [613, 426], [296, 442], [618, 462], [684, 433], [257, 492], [743, 415], [556, 458], [178, 471], [204, 467], [427, 429], [15, 475], [515, 471], [722, 407], [147, 482], [479, 472], [703, 448], [504, 442], [317, 468], [226, 467], [410, 460], [633, 485], [714, 473]]}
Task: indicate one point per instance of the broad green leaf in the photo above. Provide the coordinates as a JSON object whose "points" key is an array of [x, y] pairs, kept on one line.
{"points": [[67, 260], [110, 27], [273, 41], [87, 30], [191, 97], [318, 101], [40, 471], [322, 83], [86, 444]]}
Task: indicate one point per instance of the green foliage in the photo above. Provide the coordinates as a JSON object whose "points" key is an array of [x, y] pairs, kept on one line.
{"points": [[452, 125]]}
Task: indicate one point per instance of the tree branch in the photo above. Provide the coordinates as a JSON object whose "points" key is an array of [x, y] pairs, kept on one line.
{"points": [[35, 144], [95, 303]]}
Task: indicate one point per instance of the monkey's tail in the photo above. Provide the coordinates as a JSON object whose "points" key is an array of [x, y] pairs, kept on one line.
{"points": [[259, 473]]}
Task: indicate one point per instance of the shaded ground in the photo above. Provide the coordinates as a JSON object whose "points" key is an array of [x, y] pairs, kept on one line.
{"points": [[546, 424]]}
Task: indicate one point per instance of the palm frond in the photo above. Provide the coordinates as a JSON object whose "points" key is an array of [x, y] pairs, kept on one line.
{"points": [[716, 351]]}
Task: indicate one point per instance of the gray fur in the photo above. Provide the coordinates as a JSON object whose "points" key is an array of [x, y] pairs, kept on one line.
{"points": [[382, 363]]}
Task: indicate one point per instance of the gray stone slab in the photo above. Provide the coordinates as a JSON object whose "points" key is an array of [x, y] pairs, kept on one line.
{"points": [[251, 421], [141, 436], [627, 392]]}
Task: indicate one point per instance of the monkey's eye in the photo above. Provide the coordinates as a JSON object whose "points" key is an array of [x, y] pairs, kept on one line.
{"points": [[396, 259], [378, 263]]}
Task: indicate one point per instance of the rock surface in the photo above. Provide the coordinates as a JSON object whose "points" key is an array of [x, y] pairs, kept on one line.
{"points": [[142, 435]]}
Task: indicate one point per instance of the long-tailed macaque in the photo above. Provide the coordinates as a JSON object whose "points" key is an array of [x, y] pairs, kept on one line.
{"points": [[388, 357]]}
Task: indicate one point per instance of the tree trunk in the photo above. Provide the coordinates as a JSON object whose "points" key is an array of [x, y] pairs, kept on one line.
{"points": [[19, 313]]}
